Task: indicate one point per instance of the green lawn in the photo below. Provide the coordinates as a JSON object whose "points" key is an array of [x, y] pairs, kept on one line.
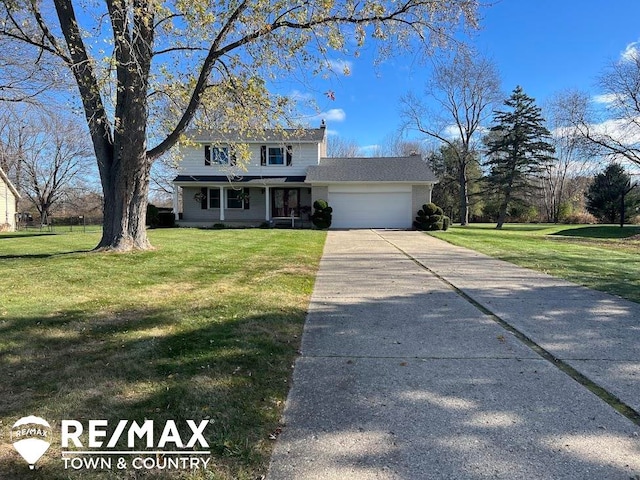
{"points": [[206, 326], [602, 257]]}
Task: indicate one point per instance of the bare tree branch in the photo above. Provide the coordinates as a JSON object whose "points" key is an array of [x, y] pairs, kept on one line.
{"points": [[465, 88]]}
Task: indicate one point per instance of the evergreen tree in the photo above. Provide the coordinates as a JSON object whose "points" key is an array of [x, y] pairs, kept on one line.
{"points": [[518, 149], [607, 196]]}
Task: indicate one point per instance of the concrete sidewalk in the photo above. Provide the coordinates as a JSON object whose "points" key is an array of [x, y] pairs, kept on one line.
{"points": [[403, 377]]}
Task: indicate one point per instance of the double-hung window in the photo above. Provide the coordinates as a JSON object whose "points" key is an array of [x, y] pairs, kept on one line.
{"points": [[220, 155], [214, 198], [235, 198], [214, 155], [276, 156]]}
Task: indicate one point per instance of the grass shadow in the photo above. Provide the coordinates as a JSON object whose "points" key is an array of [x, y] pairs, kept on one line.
{"points": [[600, 232], [25, 235], [507, 227], [147, 364], [203, 327], [43, 255]]}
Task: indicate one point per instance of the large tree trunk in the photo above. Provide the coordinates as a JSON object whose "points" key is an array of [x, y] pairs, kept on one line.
{"points": [[125, 178], [125, 183], [507, 189], [502, 214], [125, 203], [125, 175], [120, 146], [504, 206]]}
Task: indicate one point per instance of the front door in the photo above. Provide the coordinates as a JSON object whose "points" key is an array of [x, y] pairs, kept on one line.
{"points": [[284, 201]]}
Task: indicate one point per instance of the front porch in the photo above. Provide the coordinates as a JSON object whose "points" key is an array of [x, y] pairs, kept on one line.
{"points": [[243, 204]]}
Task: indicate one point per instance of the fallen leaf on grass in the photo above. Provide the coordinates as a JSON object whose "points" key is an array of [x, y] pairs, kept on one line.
{"points": [[275, 433]]}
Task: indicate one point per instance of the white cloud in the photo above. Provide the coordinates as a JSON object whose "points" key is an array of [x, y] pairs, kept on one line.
{"points": [[331, 115], [335, 115], [451, 131], [340, 66], [605, 98], [619, 129], [631, 52], [299, 96], [369, 150]]}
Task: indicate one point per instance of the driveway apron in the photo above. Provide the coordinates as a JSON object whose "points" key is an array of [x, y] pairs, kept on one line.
{"points": [[421, 360]]}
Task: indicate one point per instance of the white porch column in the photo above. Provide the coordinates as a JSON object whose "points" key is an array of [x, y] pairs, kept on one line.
{"points": [[222, 200], [175, 202], [267, 204]]}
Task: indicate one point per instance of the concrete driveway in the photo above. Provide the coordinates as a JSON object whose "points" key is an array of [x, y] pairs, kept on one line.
{"points": [[421, 360]]}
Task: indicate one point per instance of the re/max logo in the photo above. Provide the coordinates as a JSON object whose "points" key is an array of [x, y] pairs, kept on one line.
{"points": [[97, 432]]}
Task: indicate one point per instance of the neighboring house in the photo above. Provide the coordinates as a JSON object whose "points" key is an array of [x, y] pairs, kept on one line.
{"points": [[8, 203], [286, 175]]}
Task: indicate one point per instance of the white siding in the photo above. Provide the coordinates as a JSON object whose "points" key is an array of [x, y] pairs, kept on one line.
{"points": [[319, 193], [421, 195], [304, 155], [7, 206]]}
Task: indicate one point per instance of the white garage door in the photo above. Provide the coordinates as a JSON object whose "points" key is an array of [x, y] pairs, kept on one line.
{"points": [[366, 207]]}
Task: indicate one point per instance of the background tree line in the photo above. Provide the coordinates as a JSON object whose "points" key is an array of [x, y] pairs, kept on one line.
{"points": [[512, 160], [161, 70], [48, 158]]}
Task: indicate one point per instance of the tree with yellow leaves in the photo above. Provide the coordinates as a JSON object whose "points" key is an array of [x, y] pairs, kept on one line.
{"points": [[146, 70]]}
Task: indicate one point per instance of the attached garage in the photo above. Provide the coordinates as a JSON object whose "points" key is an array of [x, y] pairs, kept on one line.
{"points": [[371, 206], [382, 192]]}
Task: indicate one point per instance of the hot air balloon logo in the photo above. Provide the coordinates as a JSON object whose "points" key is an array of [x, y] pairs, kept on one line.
{"points": [[31, 438]]}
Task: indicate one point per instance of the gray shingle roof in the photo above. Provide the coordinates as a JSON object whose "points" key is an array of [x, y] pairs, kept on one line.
{"points": [[381, 169], [300, 135]]}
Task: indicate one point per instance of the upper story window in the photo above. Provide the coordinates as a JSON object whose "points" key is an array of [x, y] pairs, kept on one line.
{"points": [[214, 155], [276, 156]]}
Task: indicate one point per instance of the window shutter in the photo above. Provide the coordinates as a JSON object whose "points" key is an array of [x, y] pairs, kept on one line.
{"points": [[204, 198], [263, 155], [246, 198], [207, 154], [289, 155]]}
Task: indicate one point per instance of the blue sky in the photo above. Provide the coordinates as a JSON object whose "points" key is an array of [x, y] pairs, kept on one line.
{"points": [[545, 46]]}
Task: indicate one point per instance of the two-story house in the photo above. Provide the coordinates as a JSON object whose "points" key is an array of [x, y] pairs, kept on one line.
{"points": [[286, 173]]}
